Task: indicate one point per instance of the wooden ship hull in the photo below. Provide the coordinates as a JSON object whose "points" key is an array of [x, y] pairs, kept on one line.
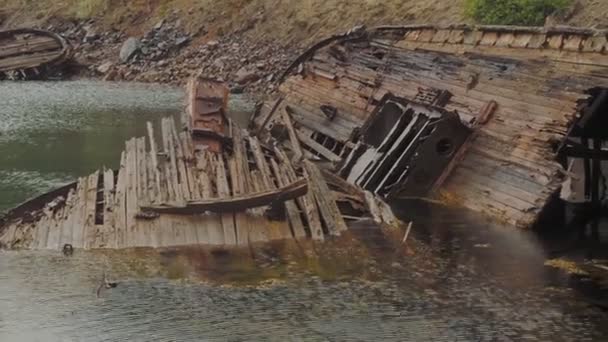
{"points": [[517, 90], [470, 116], [225, 188], [29, 53]]}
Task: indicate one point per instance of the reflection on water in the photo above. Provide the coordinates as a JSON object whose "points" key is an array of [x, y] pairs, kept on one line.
{"points": [[52, 132], [459, 278], [457, 286]]}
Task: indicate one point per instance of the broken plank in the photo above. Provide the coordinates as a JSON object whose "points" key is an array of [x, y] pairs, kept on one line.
{"points": [[181, 163], [320, 149], [155, 166], [293, 137], [188, 155], [307, 203], [261, 163], [131, 195], [241, 221], [119, 207], [223, 191], [175, 190], [295, 221], [325, 200], [211, 230], [237, 203], [80, 214]]}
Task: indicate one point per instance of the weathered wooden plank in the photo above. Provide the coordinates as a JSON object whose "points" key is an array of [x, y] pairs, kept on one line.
{"points": [[241, 221], [156, 196], [223, 192], [227, 203], [55, 228], [293, 137], [239, 176], [132, 208], [216, 229], [68, 222], [260, 229], [22, 62], [325, 201], [293, 213], [107, 238], [181, 163], [42, 228], [120, 204], [372, 206], [261, 163], [175, 190], [322, 150], [80, 218], [188, 152], [307, 203]]}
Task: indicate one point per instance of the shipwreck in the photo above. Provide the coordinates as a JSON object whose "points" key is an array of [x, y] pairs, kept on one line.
{"points": [[475, 117], [31, 54]]}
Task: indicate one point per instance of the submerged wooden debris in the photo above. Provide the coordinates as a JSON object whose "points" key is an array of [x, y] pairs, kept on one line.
{"points": [[500, 99], [226, 188], [30, 54], [471, 116]]}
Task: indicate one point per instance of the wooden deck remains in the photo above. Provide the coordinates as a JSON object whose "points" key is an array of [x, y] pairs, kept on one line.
{"points": [[174, 189], [30, 54], [517, 88]]}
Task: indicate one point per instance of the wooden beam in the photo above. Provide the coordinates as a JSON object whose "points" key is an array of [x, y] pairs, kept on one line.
{"points": [[293, 136], [237, 203], [325, 200], [291, 207], [154, 155], [322, 150]]}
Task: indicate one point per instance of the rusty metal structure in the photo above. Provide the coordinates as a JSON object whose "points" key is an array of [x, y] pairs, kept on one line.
{"points": [[31, 54]]}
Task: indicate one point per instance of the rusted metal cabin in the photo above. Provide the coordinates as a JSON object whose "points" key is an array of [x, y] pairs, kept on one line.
{"points": [[30, 54], [515, 91]]}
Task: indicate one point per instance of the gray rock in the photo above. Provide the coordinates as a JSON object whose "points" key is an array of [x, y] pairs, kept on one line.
{"points": [[129, 48], [245, 75], [159, 25], [182, 41], [90, 34], [105, 67]]}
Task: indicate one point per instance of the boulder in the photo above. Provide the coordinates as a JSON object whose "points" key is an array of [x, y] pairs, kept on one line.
{"points": [[128, 49], [246, 75], [179, 42], [105, 67]]}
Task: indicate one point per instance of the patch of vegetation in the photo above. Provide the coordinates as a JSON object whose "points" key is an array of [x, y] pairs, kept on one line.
{"points": [[88, 8], [514, 12]]}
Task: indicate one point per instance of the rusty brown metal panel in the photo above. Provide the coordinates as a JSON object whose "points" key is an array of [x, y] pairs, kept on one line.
{"points": [[207, 108]]}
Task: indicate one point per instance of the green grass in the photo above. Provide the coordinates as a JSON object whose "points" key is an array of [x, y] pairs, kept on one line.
{"points": [[514, 12], [89, 8]]}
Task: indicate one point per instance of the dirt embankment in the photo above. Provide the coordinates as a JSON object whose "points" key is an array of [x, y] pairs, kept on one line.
{"points": [[246, 41]]}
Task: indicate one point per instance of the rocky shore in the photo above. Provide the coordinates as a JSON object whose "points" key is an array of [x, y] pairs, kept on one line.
{"points": [[169, 54]]}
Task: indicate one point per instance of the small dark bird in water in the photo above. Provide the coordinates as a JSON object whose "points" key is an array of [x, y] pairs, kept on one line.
{"points": [[68, 250], [105, 285]]}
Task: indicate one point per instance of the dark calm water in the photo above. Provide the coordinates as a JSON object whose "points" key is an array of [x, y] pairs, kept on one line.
{"points": [[51, 133], [460, 278]]}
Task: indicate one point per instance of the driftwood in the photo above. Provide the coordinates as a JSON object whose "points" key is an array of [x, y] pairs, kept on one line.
{"points": [[236, 203]]}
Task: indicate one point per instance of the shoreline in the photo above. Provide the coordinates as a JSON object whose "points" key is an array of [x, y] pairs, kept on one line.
{"points": [[167, 54]]}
